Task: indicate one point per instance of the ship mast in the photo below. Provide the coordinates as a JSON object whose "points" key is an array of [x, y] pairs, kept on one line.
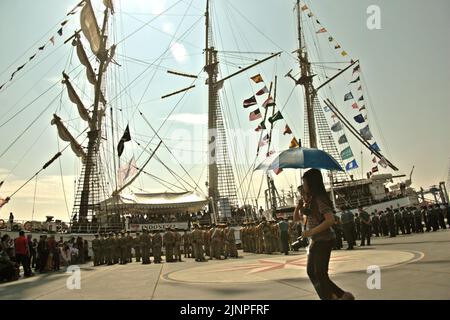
{"points": [[93, 134], [211, 68], [306, 81], [221, 184]]}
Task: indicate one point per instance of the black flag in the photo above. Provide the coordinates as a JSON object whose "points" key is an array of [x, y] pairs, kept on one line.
{"points": [[126, 137]]}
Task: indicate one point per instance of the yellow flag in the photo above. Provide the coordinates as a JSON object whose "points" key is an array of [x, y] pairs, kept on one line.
{"points": [[294, 143]]}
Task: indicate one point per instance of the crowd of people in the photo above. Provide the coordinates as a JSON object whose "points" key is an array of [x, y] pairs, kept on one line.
{"points": [[44, 255], [260, 236]]}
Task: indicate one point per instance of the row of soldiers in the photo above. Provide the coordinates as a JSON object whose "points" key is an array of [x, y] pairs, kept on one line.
{"points": [[267, 237], [214, 241], [391, 222]]}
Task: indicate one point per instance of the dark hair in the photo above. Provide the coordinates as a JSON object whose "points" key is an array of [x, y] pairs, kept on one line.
{"points": [[316, 187], [21, 233]]}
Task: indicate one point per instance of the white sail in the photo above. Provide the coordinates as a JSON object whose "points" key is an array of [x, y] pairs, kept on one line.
{"points": [[90, 27], [73, 96], [85, 61], [65, 135]]}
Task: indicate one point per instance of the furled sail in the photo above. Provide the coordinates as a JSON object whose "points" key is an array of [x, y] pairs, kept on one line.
{"points": [[109, 5], [112, 52], [73, 96], [90, 27], [65, 135], [84, 60]]}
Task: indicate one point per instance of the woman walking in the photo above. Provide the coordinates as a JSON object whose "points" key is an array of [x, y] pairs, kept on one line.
{"points": [[317, 207]]}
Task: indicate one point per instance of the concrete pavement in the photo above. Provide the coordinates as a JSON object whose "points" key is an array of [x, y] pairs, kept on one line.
{"points": [[411, 267]]}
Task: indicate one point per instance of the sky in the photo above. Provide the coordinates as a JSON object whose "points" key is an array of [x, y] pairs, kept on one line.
{"points": [[405, 73]]}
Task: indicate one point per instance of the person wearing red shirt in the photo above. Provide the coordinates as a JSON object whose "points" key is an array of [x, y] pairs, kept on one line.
{"points": [[22, 253]]}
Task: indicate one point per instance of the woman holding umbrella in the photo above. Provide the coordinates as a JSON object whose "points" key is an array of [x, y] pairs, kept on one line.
{"points": [[318, 209]]}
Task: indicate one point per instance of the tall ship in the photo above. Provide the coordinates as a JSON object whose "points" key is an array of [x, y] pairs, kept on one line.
{"points": [[122, 141]]}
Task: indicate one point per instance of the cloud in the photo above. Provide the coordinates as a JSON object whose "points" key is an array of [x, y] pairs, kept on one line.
{"points": [[190, 118], [168, 28], [178, 52]]}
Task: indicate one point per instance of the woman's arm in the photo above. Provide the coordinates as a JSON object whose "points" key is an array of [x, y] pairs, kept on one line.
{"points": [[326, 224], [297, 212]]}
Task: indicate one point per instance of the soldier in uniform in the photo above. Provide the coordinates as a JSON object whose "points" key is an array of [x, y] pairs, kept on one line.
{"points": [[197, 243], [109, 249], [116, 248], [441, 217], [357, 227], [215, 242], [383, 224], [391, 222], [243, 236], [145, 243], [252, 233], [259, 238], [376, 224], [348, 227], [366, 230], [102, 245], [137, 247], [230, 241], [168, 245], [405, 220], [177, 244], [222, 240], [275, 236], [283, 226], [399, 222], [418, 226], [95, 250], [129, 245], [267, 231], [122, 246], [187, 244], [157, 243], [207, 240]]}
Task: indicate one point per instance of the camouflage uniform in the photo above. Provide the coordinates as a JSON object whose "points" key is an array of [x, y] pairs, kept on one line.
{"points": [[259, 238], [177, 245], [197, 243], [207, 241], [230, 243], [169, 242], [187, 244], [157, 243]]}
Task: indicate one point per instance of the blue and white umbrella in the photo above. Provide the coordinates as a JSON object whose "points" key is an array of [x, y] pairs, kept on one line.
{"points": [[300, 158]]}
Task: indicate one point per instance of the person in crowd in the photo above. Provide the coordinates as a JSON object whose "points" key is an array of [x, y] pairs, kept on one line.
{"points": [[23, 254], [7, 246], [8, 271], [65, 254]]}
